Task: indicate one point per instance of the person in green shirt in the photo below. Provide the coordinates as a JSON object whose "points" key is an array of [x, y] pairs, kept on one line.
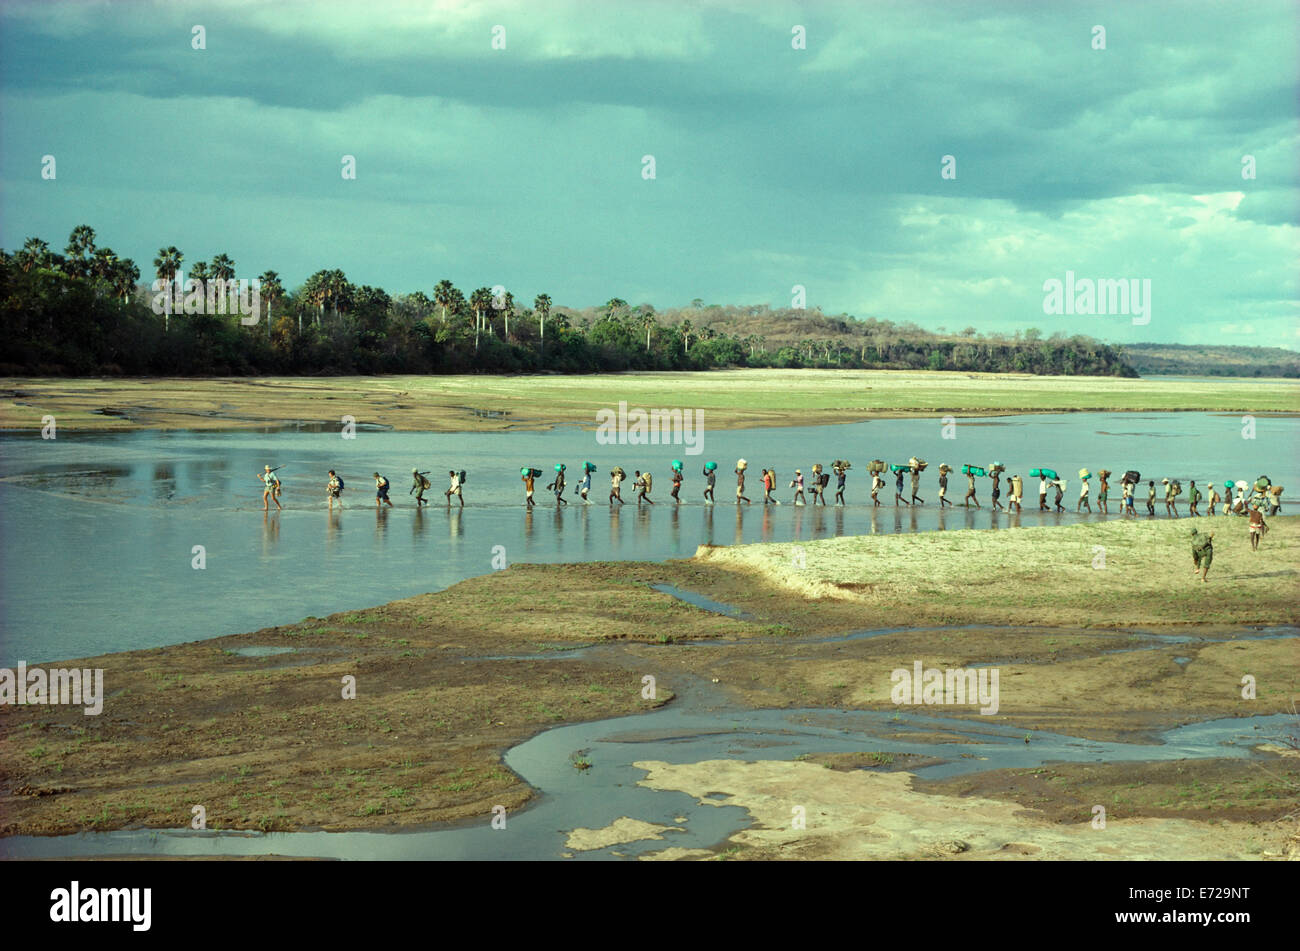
{"points": [[1202, 553], [1193, 498]]}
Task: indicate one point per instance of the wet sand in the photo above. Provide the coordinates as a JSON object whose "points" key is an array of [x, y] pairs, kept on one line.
{"points": [[447, 682]]}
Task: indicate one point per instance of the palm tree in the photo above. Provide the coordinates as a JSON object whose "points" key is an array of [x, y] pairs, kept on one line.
{"points": [[542, 304], [124, 277], [35, 254], [166, 264], [80, 250], [272, 290], [223, 270], [200, 272], [507, 308], [614, 306], [338, 290], [103, 264], [444, 293], [649, 322], [687, 331], [480, 301]]}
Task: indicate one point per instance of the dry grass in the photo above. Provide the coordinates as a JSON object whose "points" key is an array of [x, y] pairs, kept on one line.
{"points": [[1045, 575], [730, 399]]}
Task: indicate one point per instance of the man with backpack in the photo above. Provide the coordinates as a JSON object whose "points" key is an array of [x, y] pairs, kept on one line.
{"points": [[1171, 497], [381, 491], [334, 490], [421, 483], [457, 480], [1202, 553]]}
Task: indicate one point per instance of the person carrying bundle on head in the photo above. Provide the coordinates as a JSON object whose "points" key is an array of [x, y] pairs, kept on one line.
{"points": [[557, 485], [616, 477], [421, 483], [529, 478], [915, 465], [995, 475], [877, 484], [841, 468], [710, 476], [677, 480], [584, 484], [944, 469], [819, 480], [898, 485], [970, 489], [741, 466], [1084, 475]]}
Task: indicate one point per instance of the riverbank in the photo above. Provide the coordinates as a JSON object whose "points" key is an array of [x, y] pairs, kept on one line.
{"points": [[729, 399], [255, 726]]}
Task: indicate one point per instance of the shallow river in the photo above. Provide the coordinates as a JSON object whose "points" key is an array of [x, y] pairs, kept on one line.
{"points": [[98, 532]]}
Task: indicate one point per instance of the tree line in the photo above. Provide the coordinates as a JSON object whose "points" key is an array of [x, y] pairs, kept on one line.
{"points": [[85, 311]]}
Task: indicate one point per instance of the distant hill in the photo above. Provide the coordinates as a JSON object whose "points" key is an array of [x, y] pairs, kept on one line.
{"points": [[1202, 360]]}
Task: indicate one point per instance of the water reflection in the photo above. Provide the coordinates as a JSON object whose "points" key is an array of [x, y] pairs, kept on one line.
{"points": [[139, 489]]}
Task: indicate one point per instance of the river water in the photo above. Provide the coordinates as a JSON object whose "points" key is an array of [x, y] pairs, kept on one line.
{"points": [[99, 531]]}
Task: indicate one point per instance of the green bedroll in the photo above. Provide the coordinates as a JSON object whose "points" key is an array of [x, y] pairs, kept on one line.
{"points": [[1043, 473], [973, 470]]}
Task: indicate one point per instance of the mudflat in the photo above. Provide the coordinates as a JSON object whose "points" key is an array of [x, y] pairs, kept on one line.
{"points": [[445, 683], [729, 399]]}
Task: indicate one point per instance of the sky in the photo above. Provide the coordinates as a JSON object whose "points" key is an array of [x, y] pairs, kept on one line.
{"points": [[507, 142]]}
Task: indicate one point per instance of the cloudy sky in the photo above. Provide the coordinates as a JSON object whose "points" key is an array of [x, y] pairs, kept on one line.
{"points": [[773, 166]]}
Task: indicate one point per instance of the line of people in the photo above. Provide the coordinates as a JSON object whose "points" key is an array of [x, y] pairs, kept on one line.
{"points": [[1264, 497]]}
